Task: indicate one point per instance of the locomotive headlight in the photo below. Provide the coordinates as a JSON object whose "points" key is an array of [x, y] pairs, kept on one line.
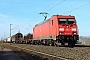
{"points": [[61, 29], [75, 33], [73, 29], [61, 33]]}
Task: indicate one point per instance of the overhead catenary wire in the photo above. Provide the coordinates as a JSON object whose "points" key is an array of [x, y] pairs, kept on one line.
{"points": [[55, 5], [66, 12], [50, 9], [59, 4], [77, 8], [15, 27]]}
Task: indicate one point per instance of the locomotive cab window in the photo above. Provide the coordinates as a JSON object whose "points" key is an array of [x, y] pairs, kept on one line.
{"points": [[52, 22], [62, 21], [71, 21]]}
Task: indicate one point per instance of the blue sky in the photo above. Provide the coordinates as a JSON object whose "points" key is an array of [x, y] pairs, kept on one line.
{"points": [[24, 14]]}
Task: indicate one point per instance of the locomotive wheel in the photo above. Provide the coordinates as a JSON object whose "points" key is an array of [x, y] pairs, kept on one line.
{"points": [[53, 43], [63, 43], [56, 45], [71, 43], [34, 42]]}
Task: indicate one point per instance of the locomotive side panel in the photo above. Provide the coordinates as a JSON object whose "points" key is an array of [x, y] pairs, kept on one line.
{"points": [[54, 27], [46, 30], [41, 31], [36, 31]]}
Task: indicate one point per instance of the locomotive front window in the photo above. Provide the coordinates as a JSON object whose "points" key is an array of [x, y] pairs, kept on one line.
{"points": [[62, 21], [71, 21]]}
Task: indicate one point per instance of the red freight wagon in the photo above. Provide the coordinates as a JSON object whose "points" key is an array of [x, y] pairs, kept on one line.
{"points": [[57, 29]]}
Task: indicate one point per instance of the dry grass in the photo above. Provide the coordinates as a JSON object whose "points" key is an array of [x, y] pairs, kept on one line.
{"points": [[88, 42], [1, 46], [70, 53]]}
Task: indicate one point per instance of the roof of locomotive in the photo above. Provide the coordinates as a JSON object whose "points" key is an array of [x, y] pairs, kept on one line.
{"points": [[51, 17], [64, 16]]}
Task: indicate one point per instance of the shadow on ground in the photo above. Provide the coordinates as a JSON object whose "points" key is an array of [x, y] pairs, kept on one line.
{"points": [[19, 55]]}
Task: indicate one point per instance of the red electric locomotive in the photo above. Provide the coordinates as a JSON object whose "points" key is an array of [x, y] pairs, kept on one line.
{"points": [[57, 29]]}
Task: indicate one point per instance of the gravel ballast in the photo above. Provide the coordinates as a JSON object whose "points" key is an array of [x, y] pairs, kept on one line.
{"points": [[76, 53]]}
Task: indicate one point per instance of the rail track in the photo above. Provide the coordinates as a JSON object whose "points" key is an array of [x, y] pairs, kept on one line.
{"points": [[41, 55], [77, 45], [79, 52]]}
